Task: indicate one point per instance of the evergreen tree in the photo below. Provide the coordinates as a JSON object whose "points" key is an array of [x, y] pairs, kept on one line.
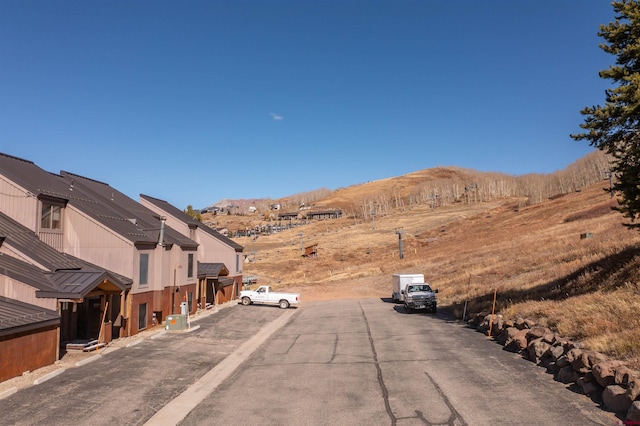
{"points": [[614, 127]]}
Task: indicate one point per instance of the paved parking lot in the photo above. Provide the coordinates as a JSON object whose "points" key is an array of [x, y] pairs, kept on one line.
{"points": [[129, 385], [347, 362]]}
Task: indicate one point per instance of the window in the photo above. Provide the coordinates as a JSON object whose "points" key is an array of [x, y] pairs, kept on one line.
{"points": [[142, 316], [190, 266], [144, 268], [237, 263], [51, 216]]}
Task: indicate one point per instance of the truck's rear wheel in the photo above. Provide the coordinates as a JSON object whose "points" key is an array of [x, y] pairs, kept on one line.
{"points": [[246, 301], [284, 304]]}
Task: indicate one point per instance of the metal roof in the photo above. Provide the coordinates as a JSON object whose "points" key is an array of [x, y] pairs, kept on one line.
{"points": [[25, 273], [33, 178], [145, 219], [191, 222], [18, 317], [211, 270], [63, 276], [60, 284], [25, 241], [42, 183], [77, 284]]}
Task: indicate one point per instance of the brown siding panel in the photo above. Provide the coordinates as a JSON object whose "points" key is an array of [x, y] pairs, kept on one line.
{"points": [[27, 352]]}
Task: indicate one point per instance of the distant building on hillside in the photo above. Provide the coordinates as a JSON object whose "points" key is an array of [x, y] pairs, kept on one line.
{"points": [[324, 214]]}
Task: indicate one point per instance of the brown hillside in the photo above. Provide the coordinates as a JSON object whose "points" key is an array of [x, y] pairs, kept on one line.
{"points": [[585, 288], [348, 198]]}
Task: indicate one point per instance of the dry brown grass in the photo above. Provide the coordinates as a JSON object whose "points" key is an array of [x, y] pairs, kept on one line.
{"points": [[585, 288]]}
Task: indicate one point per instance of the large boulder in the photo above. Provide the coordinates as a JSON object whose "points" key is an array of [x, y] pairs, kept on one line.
{"points": [[548, 363], [551, 338], [596, 358], [615, 399], [563, 361], [497, 326], [633, 388], [567, 375], [573, 354], [605, 372], [555, 352], [624, 375], [507, 335], [489, 321], [581, 363], [519, 342], [587, 359], [537, 348], [501, 338], [633, 414], [588, 387], [538, 332]]}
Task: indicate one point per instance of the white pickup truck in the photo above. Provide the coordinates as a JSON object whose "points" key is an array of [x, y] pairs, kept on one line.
{"points": [[264, 295]]}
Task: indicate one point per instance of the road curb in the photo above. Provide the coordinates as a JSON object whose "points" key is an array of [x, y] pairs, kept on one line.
{"points": [[87, 360], [48, 376], [8, 392]]}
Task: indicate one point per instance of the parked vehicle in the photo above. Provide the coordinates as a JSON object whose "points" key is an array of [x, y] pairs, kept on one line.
{"points": [[420, 297], [265, 296], [400, 282]]}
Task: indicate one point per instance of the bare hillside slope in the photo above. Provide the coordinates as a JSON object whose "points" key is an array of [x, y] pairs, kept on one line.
{"points": [[567, 262]]}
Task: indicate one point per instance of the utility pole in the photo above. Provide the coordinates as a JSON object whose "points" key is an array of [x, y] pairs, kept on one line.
{"points": [[400, 232], [300, 235]]}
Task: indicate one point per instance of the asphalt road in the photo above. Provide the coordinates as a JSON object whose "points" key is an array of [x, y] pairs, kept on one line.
{"points": [[128, 386], [366, 362], [344, 362]]}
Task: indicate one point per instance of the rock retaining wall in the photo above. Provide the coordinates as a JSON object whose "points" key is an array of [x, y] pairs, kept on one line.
{"points": [[608, 380]]}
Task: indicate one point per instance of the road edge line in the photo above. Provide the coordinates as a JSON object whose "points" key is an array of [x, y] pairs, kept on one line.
{"points": [[178, 408]]}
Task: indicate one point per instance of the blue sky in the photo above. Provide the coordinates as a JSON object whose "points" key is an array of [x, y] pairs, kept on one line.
{"points": [[195, 101]]}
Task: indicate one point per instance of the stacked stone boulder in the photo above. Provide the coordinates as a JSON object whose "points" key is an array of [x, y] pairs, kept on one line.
{"points": [[617, 386]]}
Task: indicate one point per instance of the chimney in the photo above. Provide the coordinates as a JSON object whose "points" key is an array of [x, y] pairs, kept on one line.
{"points": [[163, 219]]}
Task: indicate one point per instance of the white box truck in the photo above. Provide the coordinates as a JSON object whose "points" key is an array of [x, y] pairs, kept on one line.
{"points": [[400, 282]]}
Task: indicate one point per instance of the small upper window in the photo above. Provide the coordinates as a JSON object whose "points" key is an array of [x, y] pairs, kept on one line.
{"points": [[144, 268], [51, 217], [190, 266]]}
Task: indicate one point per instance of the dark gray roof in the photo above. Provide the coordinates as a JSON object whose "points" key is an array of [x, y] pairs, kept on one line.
{"points": [[17, 317], [211, 270], [25, 273], [225, 282], [44, 184], [63, 276], [98, 200], [121, 205], [27, 242], [34, 179], [73, 284], [191, 222], [60, 284]]}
